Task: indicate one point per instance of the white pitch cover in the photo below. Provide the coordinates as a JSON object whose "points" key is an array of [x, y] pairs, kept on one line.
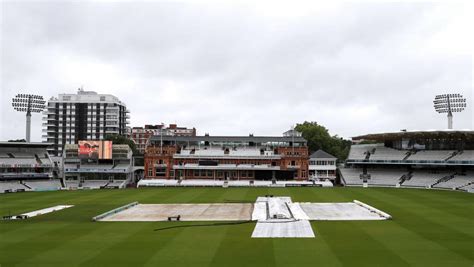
{"points": [[259, 211], [46, 210], [283, 229], [290, 221]]}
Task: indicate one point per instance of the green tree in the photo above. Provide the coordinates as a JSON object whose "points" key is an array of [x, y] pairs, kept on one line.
{"points": [[318, 137], [122, 140]]}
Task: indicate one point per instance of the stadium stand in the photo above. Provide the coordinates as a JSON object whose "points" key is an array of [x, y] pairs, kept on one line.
{"points": [[359, 152], [385, 177], [431, 155], [425, 178], [469, 187], [116, 184], [72, 184], [43, 185], [350, 176], [95, 173], [380, 152], [466, 155], [9, 187], [94, 184], [378, 176], [458, 181], [425, 159], [26, 167]]}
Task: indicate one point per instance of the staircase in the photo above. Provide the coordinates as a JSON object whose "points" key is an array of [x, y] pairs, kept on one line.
{"points": [[455, 153], [38, 160], [368, 153], [25, 185], [464, 185], [444, 179], [406, 177], [408, 154]]}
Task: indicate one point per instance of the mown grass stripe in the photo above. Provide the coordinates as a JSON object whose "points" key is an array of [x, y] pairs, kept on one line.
{"points": [[433, 229]]}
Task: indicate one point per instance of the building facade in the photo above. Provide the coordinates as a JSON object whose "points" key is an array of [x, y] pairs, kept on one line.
{"points": [[80, 171], [226, 158], [86, 115], [322, 166], [140, 135]]}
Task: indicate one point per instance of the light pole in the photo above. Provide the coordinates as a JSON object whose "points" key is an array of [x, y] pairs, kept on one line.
{"points": [[449, 103], [28, 103]]}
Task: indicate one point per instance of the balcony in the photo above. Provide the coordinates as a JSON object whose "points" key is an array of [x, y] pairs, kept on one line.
{"points": [[292, 167], [112, 131]]}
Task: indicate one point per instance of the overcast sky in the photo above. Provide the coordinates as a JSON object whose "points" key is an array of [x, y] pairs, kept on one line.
{"points": [[235, 69]]}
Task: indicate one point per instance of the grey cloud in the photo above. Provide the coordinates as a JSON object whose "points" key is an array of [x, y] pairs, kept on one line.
{"points": [[229, 69]]}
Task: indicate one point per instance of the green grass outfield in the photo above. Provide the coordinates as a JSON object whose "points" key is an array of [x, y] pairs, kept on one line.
{"points": [[430, 228]]}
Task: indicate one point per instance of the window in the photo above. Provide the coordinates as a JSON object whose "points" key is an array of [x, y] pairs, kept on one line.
{"points": [[150, 172]]}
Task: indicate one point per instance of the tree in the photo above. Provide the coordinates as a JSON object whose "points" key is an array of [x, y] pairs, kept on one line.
{"points": [[122, 140], [318, 137]]}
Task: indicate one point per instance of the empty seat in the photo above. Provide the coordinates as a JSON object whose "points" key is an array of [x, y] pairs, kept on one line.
{"points": [[44, 185], [431, 155], [12, 187], [385, 153], [351, 176], [424, 178], [457, 181]]}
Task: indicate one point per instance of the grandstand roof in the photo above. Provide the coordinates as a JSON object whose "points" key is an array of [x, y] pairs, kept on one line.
{"points": [[417, 134], [25, 144], [321, 154]]}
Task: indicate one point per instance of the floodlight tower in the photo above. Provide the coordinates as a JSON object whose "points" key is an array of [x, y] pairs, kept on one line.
{"points": [[449, 103], [28, 103]]}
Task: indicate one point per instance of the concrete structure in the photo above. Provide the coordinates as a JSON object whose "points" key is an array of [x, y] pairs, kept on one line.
{"points": [[227, 158], [82, 116], [27, 167]]}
